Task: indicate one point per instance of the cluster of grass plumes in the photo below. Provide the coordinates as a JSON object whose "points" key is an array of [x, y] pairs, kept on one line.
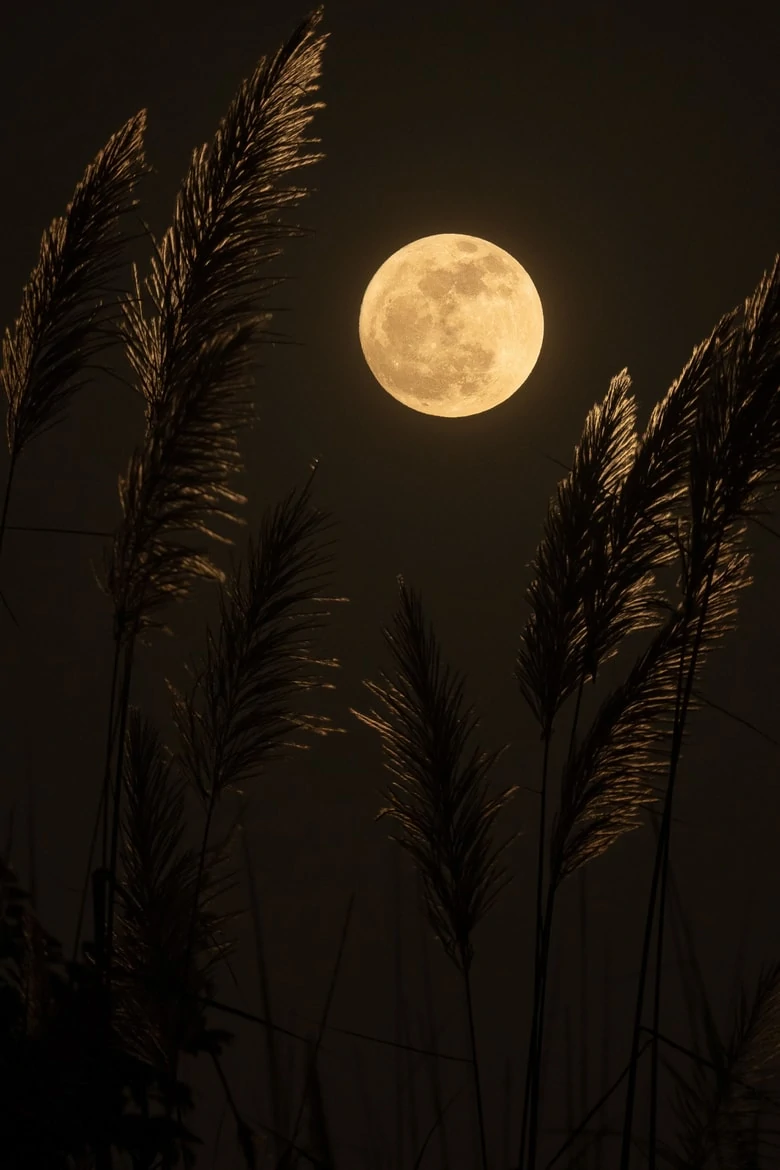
{"points": [[679, 494], [151, 959], [191, 358], [90, 1048]]}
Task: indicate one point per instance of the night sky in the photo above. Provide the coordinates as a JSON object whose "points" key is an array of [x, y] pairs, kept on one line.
{"points": [[627, 156]]}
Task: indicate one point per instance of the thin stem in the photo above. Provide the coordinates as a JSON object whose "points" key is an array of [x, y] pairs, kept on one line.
{"points": [[102, 803], [584, 996], [7, 498], [583, 931], [533, 1073], [651, 1142], [6, 501], [592, 1113], [475, 1065], [436, 1124], [666, 830], [311, 1071], [241, 1124], [628, 1117], [400, 1034], [633, 1059], [120, 756], [529, 1073], [661, 858], [569, 1071], [533, 1130], [431, 1029], [198, 880], [265, 995], [605, 1039], [110, 741]]}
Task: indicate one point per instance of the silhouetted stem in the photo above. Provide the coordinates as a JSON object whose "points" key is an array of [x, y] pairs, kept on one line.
{"points": [[529, 1073], [533, 1122], [120, 756], [605, 1046], [430, 1016], [103, 803], [663, 846], [475, 1066], [103, 924], [7, 498], [592, 1113], [437, 1124], [311, 1072], [533, 1069], [265, 996], [6, 501], [651, 1149], [583, 930], [661, 858], [584, 995], [633, 1059], [198, 879]]}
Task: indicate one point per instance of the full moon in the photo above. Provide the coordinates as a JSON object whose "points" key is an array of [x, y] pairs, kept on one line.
{"points": [[451, 325]]}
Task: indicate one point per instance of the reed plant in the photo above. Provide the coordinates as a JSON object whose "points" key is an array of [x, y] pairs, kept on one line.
{"points": [[90, 1047]]}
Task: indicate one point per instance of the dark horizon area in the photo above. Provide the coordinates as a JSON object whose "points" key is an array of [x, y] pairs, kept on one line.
{"points": [[628, 159]]}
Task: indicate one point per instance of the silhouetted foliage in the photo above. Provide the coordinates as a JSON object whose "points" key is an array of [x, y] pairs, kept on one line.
{"points": [[90, 1048]]}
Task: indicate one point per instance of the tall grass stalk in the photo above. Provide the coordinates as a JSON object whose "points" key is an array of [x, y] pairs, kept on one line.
{"points": [[431, 1032], [616, 519], [734, 455], [439, 794], [576, 621], [584, 1030], [606, 1048], [401, 1064], [191, 359], [241, 712]]}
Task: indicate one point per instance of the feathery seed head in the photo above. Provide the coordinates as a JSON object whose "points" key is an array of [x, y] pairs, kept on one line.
{"points": [[439, 796]]}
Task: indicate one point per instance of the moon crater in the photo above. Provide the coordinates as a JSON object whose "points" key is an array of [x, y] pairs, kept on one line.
{"points": [[451, 325]]}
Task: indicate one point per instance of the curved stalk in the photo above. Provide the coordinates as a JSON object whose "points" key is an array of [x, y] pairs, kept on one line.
{"points": [[660, 864], [666, 829]]}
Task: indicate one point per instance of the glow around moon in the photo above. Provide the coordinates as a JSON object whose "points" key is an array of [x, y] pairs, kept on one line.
{"points": [[451, 325]]}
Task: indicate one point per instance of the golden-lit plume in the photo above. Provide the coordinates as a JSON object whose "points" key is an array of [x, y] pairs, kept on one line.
{"points": [[62, 323], [192, 357]]}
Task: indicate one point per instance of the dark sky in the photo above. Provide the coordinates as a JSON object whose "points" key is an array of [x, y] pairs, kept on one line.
{"points": [[627, 155]]}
